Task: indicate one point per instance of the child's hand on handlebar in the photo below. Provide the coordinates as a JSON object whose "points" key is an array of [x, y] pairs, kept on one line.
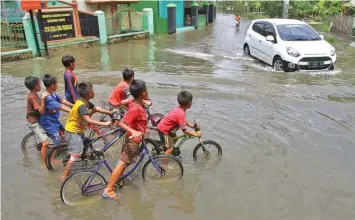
{"points": [[197, 133], [108, 123], [136, 137]]}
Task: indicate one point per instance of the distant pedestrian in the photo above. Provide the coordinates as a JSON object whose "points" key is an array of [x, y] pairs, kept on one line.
{"points": [[70, 80]]}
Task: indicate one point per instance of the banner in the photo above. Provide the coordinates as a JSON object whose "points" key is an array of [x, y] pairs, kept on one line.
{"points": [[58, 25]]}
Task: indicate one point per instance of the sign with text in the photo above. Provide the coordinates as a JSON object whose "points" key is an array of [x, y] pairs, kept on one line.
{"points": [[30, 5], [58, 25]]}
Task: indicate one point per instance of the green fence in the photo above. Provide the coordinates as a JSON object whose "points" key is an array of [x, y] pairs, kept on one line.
{"points": [[125, 21], [12, 37]]}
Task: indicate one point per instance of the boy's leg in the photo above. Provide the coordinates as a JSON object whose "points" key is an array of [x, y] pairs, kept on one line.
{"points": [[128, 156], [41, 137], [76, 146]]}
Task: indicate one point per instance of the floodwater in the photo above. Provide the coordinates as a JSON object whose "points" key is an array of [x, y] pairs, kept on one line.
{"points": [[288, 138]]}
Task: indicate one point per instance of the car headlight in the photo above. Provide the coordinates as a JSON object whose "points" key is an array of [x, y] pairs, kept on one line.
{"points": [[332, 51], [292, 52]]}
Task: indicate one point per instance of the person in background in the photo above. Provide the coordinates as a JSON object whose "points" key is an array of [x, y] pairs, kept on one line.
{"points": [[70, 80]]}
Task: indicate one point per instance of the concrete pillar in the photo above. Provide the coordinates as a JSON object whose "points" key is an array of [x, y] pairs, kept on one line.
{"points": [[215, 11], [194, 14], [102, 26], [210, 13], [30, 38], [148, 20], [206, 7], [171, 7]]}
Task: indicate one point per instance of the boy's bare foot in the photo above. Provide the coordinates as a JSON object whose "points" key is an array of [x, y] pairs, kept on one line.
{"points": [[110, 194]]}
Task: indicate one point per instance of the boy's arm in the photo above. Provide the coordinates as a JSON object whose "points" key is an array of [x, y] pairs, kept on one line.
{"points": [[42, 107], [125, 102], [125, 127], [64, 108], [190, 125], [94, 122], [102, 110], [65, 102]]}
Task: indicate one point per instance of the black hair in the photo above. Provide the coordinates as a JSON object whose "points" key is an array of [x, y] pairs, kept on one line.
{"points": [[84, 88], [49, 80], [67, 60], [31, 82], [127, 74], [184, 98], [137, 88]]}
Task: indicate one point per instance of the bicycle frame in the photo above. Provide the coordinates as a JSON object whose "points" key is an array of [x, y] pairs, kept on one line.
{"points": [[183, 138], [143, 151]]}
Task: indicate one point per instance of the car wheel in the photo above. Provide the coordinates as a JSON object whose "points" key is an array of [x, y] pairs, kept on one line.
{"points": [[278, 64], [246, 50], [332, 67]]}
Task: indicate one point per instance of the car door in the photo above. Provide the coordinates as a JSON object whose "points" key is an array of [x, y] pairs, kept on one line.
{"points": [[255, 38], [267, 48]]}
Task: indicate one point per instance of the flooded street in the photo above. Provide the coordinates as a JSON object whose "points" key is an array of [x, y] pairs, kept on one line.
{"points": [[288, 139]]}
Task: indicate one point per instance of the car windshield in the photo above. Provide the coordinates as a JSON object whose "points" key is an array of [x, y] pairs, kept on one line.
{"points": [[297, 32]]}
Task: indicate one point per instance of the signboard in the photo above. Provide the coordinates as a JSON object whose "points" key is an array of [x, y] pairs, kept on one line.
{"points": [[30, 5], [58, 25]]}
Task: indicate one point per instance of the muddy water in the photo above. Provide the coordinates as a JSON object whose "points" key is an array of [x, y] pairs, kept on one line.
{"points": [[288, 138]]}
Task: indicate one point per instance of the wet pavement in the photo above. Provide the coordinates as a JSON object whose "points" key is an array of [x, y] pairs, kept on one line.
{"points": [[288, 138]]}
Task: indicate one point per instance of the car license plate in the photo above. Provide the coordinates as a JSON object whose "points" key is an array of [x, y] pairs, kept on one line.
{"points": [[315, 63]]}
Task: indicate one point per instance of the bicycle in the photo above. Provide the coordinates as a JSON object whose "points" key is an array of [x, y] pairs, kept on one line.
{"points": [[153, 119], [85, 178], [61, 150], [201, 148]]}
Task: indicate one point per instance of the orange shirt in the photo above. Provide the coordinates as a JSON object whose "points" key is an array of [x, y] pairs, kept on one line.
{"points": [[238, 18], [119, 93]]}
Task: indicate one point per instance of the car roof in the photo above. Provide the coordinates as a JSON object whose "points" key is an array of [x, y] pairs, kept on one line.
{"points": [[280, 21]]}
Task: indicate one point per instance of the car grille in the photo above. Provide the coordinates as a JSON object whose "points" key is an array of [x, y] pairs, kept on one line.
{"points": [[324, 67], [308, 59]]}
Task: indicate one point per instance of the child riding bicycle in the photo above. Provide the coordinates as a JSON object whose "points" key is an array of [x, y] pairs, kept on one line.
{"points": [[135, 123], [174, 120], [77, 121]]}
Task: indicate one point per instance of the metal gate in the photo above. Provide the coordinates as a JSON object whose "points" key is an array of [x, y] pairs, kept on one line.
{"points": [[124, 21]]}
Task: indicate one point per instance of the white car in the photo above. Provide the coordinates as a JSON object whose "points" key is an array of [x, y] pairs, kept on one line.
{"points": [[288, 45]]}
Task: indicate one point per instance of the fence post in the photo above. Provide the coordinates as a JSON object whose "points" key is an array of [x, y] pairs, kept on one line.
{"points": [[102, 26], [149, 22], [30, 38], [206, 7]]}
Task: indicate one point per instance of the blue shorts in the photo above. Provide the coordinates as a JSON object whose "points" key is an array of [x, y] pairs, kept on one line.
{"points": [[54, 133]]}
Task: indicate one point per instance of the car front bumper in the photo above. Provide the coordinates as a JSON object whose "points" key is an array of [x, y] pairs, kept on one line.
{"points": [[310, 62]]}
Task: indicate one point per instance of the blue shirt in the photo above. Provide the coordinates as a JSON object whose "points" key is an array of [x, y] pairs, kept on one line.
{"points": [[70, 85], [50, 119]]}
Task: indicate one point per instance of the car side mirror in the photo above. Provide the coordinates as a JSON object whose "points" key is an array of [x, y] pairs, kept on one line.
{"points": [[321, 36], [270, 38]]}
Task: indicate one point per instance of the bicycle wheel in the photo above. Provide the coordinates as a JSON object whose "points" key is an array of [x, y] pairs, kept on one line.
{"points": [[73, 192], [213, 150], [168, 168], [29, 145], [152, 146], [57, 156]]}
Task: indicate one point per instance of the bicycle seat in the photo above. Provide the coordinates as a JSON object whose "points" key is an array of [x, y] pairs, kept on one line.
{"points": [[148, 102]]}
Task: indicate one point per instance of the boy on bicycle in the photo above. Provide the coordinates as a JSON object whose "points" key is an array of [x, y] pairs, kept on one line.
{"points": [[50, 110], [174, 120], [118, 97], [78, 119], [33, 84], [70, 81], [135, 123]]}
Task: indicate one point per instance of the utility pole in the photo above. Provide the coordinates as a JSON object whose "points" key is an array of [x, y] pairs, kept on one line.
{"points": [[285, 9]]}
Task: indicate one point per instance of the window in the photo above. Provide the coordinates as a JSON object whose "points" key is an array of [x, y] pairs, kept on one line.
{"points": [[268, 31], [297, 32], [258, 28]]}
